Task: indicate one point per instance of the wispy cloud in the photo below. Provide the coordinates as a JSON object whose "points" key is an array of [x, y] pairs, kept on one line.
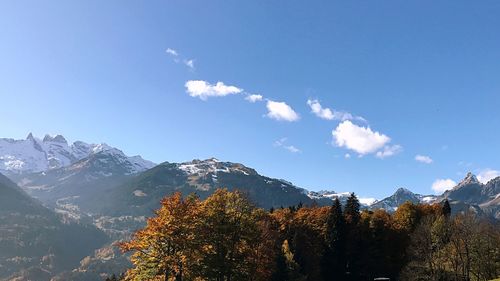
{"points": [[172, 52], [176, 57], [330, 114], [389, 150], [254, 98], [281, 111], [441, 185], [203, 90], [189, 64], [282, 143], [423, 159], [363, 140]]}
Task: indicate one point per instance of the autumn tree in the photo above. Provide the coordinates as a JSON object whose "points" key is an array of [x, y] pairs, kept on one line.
{"points": [[166, 249], [227, 238], [230, 234]]}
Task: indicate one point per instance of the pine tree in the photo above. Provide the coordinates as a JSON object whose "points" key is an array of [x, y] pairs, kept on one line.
{"points": [[281, 269], [353, 243], [333, 261], [446, 208], [351, 211]]}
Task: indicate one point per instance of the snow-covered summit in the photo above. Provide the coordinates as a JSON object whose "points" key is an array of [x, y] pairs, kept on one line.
{"points": [[213, 165], [342, 196], [37, 155]]}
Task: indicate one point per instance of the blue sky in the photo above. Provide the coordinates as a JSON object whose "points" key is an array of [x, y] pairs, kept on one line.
{"points": [[399, 78]]}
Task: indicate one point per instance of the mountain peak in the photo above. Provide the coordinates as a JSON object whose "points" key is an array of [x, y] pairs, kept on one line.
{"points": [[403, 190], [57, 138], [30, 137], [33, 155], [470, 178]]}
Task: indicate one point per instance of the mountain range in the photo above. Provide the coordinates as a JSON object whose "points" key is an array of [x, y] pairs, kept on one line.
{"points": [[99, 187], [33, 155]]}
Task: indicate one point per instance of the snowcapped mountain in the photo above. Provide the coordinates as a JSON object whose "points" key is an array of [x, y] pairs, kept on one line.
{"points": [[33, 155], [213, 166], [402, 195], [342, 196]]}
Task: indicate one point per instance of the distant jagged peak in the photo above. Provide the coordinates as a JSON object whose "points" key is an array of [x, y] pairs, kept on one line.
{"points": [[56, 138], [326, 191], [103, 147], [30, 137], [470, 178], [494, 180], [403, 190], [32, 155], [211, 160]]}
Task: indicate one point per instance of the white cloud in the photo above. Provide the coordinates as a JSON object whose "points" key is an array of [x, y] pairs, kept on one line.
{"points": [[282, 143], [189, 63], [389, 150], [291, 148], [172, 52], [347, 156], [359, 139], [423, 159], [329, 114], [318, 110], [281, 111], [486, 175], [441, 185], [204, 90], [177, 58], [254, 98]]}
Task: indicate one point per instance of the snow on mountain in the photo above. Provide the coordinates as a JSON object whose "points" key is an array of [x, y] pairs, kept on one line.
{"points": [[342, 196], [214, 166], [38, 155], [402, 195]]}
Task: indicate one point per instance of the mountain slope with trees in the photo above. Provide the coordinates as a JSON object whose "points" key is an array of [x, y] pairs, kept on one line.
{"points": [[34, 243]]}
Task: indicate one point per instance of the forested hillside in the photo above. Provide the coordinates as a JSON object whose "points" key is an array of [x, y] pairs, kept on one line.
{"points": [[225, 237]]}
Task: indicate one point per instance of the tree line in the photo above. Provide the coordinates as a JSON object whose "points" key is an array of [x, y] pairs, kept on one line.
{"points": [[225, 237]]}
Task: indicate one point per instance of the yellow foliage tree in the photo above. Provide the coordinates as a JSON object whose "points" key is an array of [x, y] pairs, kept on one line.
{"points": [[166, 248]]}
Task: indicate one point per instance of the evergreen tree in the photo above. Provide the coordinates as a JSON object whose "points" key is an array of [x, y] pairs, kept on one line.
{"points": [[353, 243], [351, 211], [446, 208], [333, 261], [281, 269]]}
